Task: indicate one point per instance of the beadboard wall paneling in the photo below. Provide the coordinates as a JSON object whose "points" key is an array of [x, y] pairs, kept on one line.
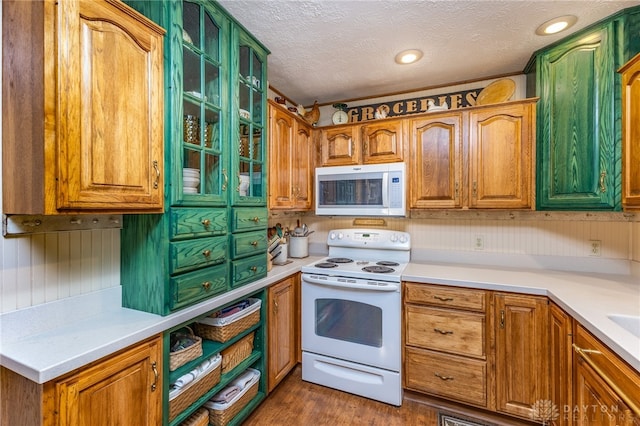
{"points": [[46, 267]]}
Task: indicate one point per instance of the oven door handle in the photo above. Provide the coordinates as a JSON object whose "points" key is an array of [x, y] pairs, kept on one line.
{"points": [[351, 285]]}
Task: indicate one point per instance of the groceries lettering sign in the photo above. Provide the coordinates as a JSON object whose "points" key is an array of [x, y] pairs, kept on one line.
{"points": [[454, 100]]}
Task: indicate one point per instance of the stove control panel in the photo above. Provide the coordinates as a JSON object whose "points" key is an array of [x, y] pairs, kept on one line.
{"points": [[369, 238]]}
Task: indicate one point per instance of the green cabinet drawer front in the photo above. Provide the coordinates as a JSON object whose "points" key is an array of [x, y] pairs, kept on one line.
{"points": [[578, 148], [198, 222], [188, 255], [247, 219], [247, 244], [250, 269], [195, 286]]}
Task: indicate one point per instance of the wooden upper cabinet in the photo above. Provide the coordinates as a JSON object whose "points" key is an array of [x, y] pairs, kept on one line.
{"points": [[83, 108], [340, 145], [500, 156], [435, 161], [480, 157], [631, 135], [382, 142], [290, 161]]}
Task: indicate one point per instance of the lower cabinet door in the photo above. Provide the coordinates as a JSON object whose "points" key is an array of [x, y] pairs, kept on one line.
{"points": [[125, 389], [282, 329]]}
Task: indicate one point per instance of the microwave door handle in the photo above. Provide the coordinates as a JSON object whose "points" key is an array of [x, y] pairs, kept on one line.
{"points": [[385, 190]]}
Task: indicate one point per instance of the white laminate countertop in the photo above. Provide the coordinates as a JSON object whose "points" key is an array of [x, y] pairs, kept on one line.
{"points": [[49, 340]]}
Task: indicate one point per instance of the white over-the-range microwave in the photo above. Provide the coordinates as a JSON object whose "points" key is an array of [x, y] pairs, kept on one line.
{"points": [[363, 190]]}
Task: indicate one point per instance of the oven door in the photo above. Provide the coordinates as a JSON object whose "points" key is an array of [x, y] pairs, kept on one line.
{"points": [[352, 320]]}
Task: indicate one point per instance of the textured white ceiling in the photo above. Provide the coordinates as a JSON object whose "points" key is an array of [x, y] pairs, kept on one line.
{"points": [[330, 50]]}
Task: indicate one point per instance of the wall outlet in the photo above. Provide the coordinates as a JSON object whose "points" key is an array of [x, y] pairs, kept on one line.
{"points": [[596, 246], [478, 243]]}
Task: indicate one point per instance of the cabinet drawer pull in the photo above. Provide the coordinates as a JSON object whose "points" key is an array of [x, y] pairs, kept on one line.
{"points": [[603, 174], [154, 385], [206, 223], [254, 268], [225, 179], [440, 376], [206, 253], [206, 285], [254, 243], [437, 330], [443, 299], [157, 179], [584, 354]]}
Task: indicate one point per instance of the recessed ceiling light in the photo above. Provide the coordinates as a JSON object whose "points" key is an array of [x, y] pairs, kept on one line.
{"points": [[556, 25], [408, 56]]}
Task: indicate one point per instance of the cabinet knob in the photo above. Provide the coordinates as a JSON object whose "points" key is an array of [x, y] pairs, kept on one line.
{"points": [[206, 253], [206, 223], [206, 285], [256, 219], [254, 243], [254, 268]]}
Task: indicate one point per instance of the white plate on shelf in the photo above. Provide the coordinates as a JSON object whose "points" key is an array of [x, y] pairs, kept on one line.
{"points": [[194, 173]]}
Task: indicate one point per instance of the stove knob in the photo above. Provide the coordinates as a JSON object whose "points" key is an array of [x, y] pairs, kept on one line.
{"points": [[394, 238], [340, 235], [403, 239], [332, 236]]}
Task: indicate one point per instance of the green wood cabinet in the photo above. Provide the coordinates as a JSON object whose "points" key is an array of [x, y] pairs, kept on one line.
{"points": [[215, 115], [211, 237], [579, 113], [209, 348]]}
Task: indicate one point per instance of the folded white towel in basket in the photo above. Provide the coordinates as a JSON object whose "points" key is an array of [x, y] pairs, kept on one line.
{"points": [[203, 368]]}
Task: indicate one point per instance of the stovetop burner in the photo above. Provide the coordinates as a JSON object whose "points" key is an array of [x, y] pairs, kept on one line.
{"points": [[377, 269], [387, 263], [339, 260], [326, 265]]}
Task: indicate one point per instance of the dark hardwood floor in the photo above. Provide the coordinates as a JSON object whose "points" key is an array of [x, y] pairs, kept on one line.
{"points": [[297, 403]]}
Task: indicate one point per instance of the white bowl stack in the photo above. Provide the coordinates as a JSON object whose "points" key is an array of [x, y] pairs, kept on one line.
{"points": [[190, 180]]}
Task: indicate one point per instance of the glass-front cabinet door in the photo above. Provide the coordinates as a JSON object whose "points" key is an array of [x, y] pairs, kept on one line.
{"points": [[249, 150], [202, 174]]}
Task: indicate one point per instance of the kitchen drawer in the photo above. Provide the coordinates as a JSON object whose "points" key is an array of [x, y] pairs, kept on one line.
{"points": [[249, 243], [250, 269], [198, 222], [249, 219], [447, 376], [445, 330], [452, 297], [192, 287], [192, 254]]}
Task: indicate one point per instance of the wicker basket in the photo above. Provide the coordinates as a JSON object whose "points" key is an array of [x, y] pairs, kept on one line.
{"points": [[199, 418], [224, 329], [182, 356], [194, 390], [236, 353], [219, 417]]}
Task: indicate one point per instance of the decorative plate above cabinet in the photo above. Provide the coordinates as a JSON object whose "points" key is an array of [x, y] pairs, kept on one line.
{"points": [[82, 125]]}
